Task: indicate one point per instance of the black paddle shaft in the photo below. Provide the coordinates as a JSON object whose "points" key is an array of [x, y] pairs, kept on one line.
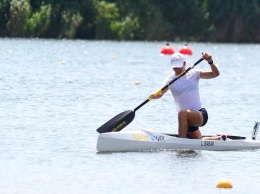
{"points": [[121, 120], [166, 86]]}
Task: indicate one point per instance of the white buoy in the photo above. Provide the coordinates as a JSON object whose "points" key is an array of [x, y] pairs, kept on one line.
{"points": [[136, 82]]}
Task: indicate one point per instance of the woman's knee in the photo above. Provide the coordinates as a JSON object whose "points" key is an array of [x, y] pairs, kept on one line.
{"points": [[182, 114]]}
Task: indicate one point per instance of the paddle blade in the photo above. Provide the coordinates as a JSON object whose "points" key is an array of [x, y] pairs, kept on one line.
{"points": [[118, 122]]}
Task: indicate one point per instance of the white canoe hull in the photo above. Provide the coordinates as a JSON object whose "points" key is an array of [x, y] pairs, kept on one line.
{"points": [[147, 140]]}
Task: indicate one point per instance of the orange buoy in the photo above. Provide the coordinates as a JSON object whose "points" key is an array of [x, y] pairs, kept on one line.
{"points": [[167, 50], [224, 184], [185, 50]]}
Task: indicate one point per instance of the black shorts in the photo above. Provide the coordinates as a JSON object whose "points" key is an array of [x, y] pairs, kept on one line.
{"points": [[205, 120]]}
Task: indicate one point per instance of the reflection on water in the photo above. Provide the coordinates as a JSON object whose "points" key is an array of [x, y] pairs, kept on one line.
{"points": [[188, 153]]}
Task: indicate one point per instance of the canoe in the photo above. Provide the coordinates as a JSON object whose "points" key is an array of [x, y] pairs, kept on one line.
{"points": [[149, 140]]}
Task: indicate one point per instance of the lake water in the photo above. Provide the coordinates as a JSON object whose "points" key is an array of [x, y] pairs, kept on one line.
{"points": [[56, 93]]}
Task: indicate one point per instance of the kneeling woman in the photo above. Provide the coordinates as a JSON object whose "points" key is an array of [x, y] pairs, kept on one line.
{"points": [[185, 91]]}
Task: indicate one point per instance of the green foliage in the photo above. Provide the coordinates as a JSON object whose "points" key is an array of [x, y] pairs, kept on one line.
{"points": [[175, 20], [113, 25], [70, 21], [39, 22], [4, 7], [20, 11], [107, 16], [126, 29], [235, 21], [88, 12], [65, 19]]}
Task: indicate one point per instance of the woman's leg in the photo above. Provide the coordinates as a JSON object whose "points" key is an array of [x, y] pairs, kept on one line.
{"points": [[189, 118], [222, 137], [194, 135]]}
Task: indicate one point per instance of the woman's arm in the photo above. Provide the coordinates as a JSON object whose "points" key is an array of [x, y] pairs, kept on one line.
{"points": [[214, 70]]}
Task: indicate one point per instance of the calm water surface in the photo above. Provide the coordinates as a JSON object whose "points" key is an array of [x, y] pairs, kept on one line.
{"points": [[55, 94]]}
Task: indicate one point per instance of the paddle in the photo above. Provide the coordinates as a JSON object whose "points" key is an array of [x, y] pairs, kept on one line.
{"points": [[123, 119]]}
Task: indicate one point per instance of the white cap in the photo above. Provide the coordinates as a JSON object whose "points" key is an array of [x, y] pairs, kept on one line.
{"points": [[177, 60]]}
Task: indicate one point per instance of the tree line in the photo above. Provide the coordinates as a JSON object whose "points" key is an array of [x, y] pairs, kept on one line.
{"points": [[174, 20]]}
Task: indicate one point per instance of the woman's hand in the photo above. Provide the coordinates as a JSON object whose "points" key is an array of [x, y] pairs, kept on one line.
{"points": [[207, 57], [155, 96], [152, 96]]}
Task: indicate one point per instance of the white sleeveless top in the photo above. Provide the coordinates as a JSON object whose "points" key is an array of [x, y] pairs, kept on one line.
{"points": [[185, 90]]}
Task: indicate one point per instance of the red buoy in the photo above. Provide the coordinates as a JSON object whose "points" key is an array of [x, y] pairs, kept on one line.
{"points": [[185, 50], [167, 50]]}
